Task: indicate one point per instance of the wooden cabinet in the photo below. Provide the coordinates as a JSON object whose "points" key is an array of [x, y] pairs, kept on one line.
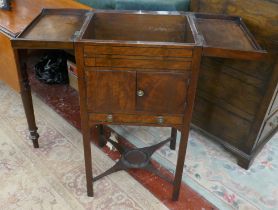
{"points": [[234, 97], [142, 82], [134, 75], [148, 81], [237, 100]]}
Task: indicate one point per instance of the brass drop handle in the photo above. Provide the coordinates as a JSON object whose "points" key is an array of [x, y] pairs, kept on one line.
{"points": [[109, 118], [160, 120], [140, 93]]}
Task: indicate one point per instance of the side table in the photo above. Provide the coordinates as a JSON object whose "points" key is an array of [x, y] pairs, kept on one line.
{"points": [[135, 68]]}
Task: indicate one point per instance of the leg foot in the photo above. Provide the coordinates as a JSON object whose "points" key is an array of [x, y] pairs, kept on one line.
{"points": [[36, 143], [90, 193], [34, 136], [244, 163], [173, 139], [180, 164], [175, 195], [87, 157]]}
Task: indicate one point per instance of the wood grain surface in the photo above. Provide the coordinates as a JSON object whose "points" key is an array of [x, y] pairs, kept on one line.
{"points": [[234, 104]]}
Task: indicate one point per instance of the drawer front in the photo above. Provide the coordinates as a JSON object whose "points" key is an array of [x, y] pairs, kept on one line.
{"points": [[93, 50], [138, 62], [134, 57], [163, 93], [111, 91], [270, 126], [136, 119]]}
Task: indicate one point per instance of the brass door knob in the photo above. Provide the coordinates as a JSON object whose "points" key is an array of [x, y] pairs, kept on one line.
{"points": [[160, 120], [109, 118], [140, 93]]}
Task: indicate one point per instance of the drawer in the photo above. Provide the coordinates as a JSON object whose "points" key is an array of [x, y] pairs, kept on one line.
{"points": [[136, 119], [138, 62], [270, 126], [93, 50]]}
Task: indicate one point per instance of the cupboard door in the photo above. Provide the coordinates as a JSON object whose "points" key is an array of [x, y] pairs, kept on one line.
{"points": [[111, 91], [160, 92]]}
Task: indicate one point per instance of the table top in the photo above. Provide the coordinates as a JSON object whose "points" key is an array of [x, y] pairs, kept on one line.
{"points": [[219, 35], [24, 11]]}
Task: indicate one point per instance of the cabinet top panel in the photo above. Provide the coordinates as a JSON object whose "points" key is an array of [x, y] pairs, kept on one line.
{"points": [[57, 25], [219, 35], [53, 25], [24, 11], [226, 36], [139, 26]]}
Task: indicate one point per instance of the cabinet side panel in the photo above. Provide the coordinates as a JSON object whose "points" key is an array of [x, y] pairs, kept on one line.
{"points": [[221, 123], [261, 19], [8, 72], [231, 87]]}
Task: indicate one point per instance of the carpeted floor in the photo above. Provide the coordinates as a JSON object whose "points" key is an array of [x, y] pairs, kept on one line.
{"points": [[52, 177], [212, 171], [209, 169]]}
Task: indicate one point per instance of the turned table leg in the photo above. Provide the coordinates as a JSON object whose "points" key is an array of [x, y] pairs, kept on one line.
{"points": [[25, 91]]}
